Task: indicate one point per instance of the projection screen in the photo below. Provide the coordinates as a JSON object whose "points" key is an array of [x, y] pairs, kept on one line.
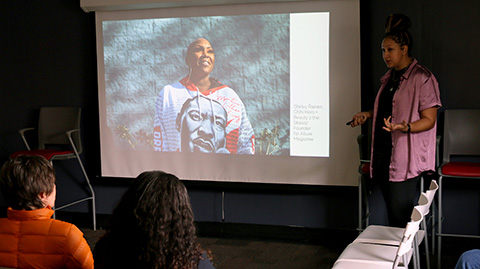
{"points": [[283, 80]]}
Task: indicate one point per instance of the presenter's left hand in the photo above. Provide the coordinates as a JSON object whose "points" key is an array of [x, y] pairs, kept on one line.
{"points": [[390, 127]]}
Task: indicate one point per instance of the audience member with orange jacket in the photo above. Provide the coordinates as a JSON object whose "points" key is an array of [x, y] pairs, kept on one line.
{"points": [[29, 237]]}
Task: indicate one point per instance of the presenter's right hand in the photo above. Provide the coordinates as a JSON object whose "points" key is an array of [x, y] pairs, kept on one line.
{"points": [[360, 118]]}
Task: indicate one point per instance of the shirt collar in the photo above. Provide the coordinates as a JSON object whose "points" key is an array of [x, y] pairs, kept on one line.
{"points": [[405, 75]]}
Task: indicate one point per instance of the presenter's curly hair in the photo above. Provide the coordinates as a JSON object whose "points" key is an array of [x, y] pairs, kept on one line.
{"points": [[396, 28], [152, 226]]}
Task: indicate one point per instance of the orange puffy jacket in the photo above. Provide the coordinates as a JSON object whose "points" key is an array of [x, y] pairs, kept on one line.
{"points": [[32, 239]]}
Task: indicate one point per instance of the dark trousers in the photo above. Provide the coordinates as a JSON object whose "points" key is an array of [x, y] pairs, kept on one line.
{"points": [[400, 197]]}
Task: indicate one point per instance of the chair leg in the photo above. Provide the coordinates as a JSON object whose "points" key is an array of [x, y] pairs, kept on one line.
{"points": [[94, 212], [91, 191], [86, 178], [416, 254], [367, 205], [440, 220], [425, 240], [360, 205], [421, 184], [362, 202], [434, 224], [54, 215]]}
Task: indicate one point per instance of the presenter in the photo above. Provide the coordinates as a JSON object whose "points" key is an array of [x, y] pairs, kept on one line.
{"points": [[200, 60], [404, 122]]}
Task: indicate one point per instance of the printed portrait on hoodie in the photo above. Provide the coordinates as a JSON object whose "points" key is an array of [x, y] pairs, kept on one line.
{"points": [[202, 124]]}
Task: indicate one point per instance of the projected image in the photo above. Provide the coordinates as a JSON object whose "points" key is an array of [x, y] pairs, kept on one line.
{"points": [[146, 61], [250, 65], [200, 60]]}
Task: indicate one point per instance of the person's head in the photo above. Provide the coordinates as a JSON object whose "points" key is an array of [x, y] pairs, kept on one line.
{"points": [[202, 124], [28, 183], [397, 43], [154, 223], [200, 57]]}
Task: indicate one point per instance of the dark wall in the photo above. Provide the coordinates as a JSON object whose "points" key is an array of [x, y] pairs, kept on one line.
{"points": [[445, 40], [49, 59]]}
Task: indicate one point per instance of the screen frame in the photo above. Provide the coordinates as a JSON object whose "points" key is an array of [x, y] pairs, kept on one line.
{"points": [[343, 164]]}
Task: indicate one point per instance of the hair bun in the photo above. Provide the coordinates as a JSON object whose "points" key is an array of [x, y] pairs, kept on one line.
{"points": [[397, 23]]}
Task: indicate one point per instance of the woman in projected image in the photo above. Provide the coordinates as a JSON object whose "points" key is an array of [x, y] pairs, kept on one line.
{"points": [[200, 60], [404, 122]]}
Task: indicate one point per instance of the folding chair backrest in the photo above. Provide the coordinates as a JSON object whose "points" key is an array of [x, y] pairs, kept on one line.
{"points": [[53, 124], [461, 131], [423, 204], [410, 231], [430, 193]]}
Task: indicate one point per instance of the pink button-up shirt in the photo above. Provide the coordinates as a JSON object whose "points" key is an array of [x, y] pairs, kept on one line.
{"points": [[412, 153]]}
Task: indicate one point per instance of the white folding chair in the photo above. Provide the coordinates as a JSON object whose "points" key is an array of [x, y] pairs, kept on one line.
{"points": [[377, 234], [364, 255], [387, 235]]}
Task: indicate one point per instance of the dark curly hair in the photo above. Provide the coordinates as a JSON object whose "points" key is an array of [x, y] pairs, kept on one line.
{"points": [[396, 28], [23, 178], [152, 227]]}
